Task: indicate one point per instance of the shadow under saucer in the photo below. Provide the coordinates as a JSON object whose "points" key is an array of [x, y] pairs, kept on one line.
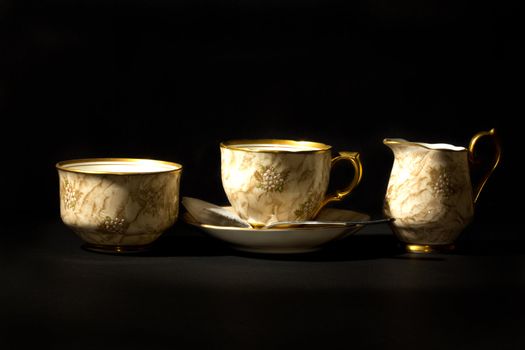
{"points": [[357, 247]]}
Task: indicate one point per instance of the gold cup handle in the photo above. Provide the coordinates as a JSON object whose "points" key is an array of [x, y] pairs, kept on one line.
{"points": [[472, 159], [353, 158]]}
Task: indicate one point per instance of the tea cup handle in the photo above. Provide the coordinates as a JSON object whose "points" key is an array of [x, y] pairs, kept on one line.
{"points": [[353, 158], [472, 159]]}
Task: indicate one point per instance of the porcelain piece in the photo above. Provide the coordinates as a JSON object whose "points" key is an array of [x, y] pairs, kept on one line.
{"points": [[209, 213], [269, 180], [119, 204], [284, 240], [429, 192]]}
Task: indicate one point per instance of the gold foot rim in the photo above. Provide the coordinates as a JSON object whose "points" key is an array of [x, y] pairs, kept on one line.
{"points": [[116, 249], [429, 248]]}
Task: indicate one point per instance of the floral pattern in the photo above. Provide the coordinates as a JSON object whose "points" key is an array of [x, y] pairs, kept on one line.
{"points": [[150, 200], [443, 184], [70, 195], [269, 179], [113, 225], [308, 207]]}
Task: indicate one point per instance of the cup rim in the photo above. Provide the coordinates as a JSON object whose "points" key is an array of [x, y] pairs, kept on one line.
{"points": [[63, 166], [316, 147]]}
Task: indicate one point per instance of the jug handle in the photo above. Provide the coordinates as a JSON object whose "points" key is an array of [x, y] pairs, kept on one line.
{"points": [[472, 159], [353, 158]]}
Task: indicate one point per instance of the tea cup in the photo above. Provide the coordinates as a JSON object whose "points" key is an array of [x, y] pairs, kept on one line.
{"points": [[269, 180]]}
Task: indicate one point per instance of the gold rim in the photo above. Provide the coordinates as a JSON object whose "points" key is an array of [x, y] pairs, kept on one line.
{"points": [[63, 165], [316, 147], [424, 145], [187, 218]]}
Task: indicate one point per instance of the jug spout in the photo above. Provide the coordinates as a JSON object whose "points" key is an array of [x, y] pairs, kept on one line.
{"points": [[394, 143], [405, 152], [398, 143]]}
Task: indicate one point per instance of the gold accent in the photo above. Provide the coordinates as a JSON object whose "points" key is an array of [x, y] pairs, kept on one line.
{"points": [[187, 218], [427, 248], [238, 145], [120, 249], [424, 145], [355, 160], [269, 179], [471, 147], [63, 165]]}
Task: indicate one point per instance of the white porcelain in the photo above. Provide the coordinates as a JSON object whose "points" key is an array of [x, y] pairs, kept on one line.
{"points": [[119, 204], [212, 214], [284, 240], [269, 180], [429, 192]]}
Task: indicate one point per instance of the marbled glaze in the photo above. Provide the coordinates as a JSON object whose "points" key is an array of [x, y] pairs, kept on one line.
{"points": [[265, 186], [119, 209], [429, 193]]}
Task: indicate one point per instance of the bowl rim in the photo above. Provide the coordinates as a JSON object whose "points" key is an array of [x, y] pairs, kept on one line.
{"points": [[63, 166]]}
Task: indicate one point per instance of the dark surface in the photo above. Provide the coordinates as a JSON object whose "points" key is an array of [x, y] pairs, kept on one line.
{"points": [[193, 291]]}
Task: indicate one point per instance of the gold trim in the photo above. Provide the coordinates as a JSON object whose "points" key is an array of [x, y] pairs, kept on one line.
{"points": [[190, 220], [187, 218], [117, 249], [428, 249], [388, 141], [63, 166], [497, 157], [317, 147], [355, 160]]}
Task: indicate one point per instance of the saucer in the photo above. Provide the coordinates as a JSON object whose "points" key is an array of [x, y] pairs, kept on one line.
{"points": [[283, 240]]}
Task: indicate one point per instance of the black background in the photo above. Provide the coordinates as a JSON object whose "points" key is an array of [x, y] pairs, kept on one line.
{"points": [[171, 80]]}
